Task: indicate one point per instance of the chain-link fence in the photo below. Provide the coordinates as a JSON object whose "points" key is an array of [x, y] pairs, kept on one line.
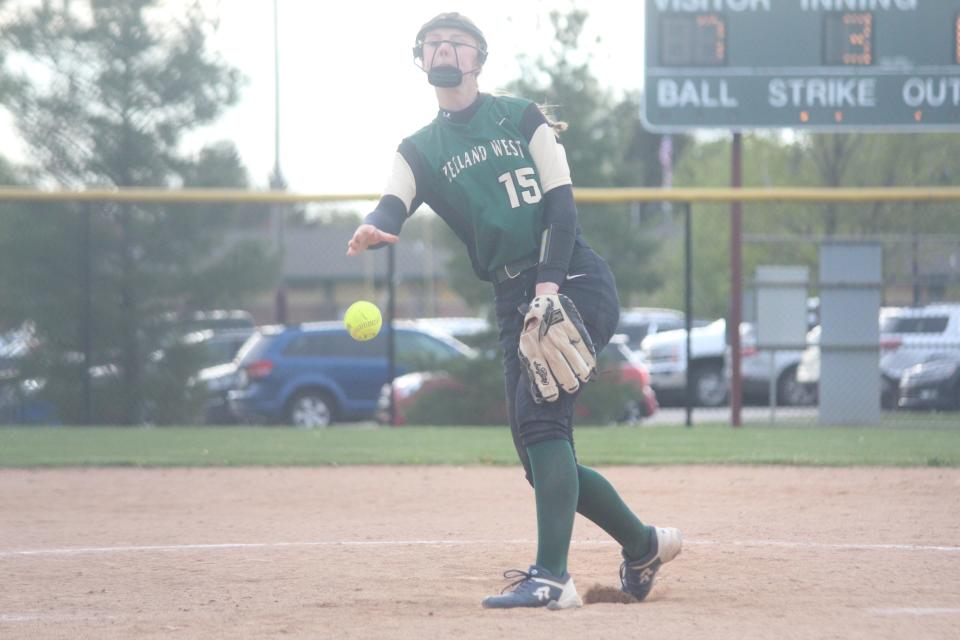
{"points": [[882, 343], [120, 272]]}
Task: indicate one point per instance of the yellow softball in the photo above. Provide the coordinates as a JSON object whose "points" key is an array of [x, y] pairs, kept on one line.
{"points": [[363, 320]]}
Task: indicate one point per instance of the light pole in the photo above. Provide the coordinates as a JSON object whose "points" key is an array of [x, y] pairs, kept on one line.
{"points": [[277, 181]]}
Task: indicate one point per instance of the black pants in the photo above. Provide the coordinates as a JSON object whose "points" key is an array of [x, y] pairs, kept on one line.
{"points": [[591, 286]]}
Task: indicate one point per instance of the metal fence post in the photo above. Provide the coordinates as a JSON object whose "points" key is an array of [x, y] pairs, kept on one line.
{"points": [[688, 305], [86, 315], [391, 342]]}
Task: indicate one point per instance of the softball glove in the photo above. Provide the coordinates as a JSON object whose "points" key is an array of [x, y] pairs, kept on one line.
{"points": [[555, 347]]}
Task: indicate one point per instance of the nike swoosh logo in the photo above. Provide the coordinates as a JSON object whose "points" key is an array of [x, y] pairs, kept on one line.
{"points": [[577, 275]]}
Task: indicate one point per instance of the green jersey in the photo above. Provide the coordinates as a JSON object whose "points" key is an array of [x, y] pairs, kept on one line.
{"points": [[485, 171]]}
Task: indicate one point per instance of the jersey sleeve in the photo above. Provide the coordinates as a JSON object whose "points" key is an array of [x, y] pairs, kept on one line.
{"points": [[560, 226], [548, 154], [402, 182], [399, 198]]}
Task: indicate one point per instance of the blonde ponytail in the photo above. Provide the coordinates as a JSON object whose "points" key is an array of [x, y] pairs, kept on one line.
{"points": [[558, 126]]}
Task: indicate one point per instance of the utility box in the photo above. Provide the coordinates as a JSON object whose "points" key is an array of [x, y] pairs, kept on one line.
{"points": [[782, 307], [851, 282], [781, 317]]}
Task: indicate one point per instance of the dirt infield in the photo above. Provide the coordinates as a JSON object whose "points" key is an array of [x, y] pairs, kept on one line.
{"points": [[388, 552]]}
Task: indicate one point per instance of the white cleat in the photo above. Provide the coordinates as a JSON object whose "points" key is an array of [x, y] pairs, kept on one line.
{"points": [[536, 587], [636, 576]]}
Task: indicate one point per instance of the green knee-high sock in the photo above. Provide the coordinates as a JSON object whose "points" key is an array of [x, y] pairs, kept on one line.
{"points": [[601, 503], [556, 487]]}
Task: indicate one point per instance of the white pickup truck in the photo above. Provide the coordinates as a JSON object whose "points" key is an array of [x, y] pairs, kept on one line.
{"points": [[666, 358]]}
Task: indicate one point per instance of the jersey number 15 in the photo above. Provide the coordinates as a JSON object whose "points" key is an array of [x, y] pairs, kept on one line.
{"points": [[529, 189]]}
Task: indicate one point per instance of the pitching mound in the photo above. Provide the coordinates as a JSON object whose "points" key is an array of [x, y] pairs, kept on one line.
{"points": [[599, 593]]}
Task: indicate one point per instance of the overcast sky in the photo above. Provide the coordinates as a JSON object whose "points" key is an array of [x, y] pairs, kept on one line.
{"points": [[349, 91]]}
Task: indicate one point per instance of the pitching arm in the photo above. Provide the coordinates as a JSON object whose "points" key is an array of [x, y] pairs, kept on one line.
{"points": [[560, 226], [397, 202]]}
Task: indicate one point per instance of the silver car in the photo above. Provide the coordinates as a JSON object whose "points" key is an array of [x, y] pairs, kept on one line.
{"points": [[756, 366], [908, 336]]}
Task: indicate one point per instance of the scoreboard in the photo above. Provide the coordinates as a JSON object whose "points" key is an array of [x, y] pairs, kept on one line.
{"points": [[883, 65]]}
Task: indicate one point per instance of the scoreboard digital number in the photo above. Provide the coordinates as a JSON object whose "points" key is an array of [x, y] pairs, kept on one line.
{"points": [[848, 38], [818, 64], [694, 40], [956, 36]]}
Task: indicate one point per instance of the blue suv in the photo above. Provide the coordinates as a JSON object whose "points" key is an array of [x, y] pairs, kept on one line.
{"points": [[311, 375]]}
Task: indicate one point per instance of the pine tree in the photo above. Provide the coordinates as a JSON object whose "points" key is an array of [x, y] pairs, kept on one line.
{"points": [[102, 93]]}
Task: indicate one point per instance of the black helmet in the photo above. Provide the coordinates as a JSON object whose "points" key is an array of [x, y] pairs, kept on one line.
{"points": [[452, 20]]}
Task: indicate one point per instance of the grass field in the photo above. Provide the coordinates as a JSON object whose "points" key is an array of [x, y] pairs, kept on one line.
{"points": [[354, 445]]}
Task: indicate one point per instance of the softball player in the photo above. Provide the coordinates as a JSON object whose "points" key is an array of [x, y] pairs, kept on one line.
{"points": [[493, 169]]}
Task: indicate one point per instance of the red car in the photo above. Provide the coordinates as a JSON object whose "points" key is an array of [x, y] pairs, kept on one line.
{"points": [[621, 362], [617, 363]]}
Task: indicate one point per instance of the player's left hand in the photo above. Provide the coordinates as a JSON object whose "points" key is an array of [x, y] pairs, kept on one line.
{"points": [[555, 347]]}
